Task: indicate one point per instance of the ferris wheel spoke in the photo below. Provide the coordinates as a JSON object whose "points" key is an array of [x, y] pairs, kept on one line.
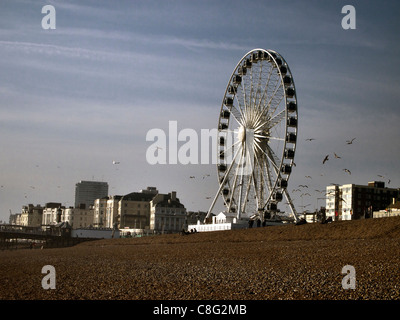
{"points": [[246, 197], [258, 92], [233, 189], [261, 162], [237, 114], [266, 86], [272, 157], [277, 103], [243, 93], [276, 138], [273, 85], [251, 88], [271, 99], [276, 119]]}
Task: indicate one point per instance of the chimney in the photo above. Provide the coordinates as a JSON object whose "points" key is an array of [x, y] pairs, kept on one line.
{"points": [[173, 196]]}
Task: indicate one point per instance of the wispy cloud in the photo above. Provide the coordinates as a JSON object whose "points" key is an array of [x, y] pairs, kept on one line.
{"points": [[51, 49]]}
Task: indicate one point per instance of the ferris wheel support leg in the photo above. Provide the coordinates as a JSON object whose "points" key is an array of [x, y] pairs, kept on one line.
{"points": [[221, 186], [289, 200]]}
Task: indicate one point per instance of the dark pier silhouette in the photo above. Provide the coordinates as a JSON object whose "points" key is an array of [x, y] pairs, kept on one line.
{"points": [[23, 237]]}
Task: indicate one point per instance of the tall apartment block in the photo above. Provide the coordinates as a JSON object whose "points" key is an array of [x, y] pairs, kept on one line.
{"points": [[86, 192], [351, 201]]}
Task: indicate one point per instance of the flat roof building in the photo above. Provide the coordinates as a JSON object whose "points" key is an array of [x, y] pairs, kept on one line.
{"points": [[351, 201], [86, 192]]}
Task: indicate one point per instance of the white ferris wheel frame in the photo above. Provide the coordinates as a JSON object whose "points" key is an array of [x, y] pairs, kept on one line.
{"points": [[255, 119]]}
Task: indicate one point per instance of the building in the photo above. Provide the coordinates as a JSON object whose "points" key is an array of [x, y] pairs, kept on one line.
{"points": [[134, 209], [31, 216], [146, 209], [15, 219], [99, 212], [351, 201], [106, 212], [392, 210], [194, 216], [86, 192], [78, 217], [167, 214], [52, 213]]}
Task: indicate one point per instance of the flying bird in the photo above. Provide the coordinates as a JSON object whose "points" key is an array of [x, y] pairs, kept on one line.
{"points": [[191, 177], [310, 139], [325, 159], [115, 162], [336, 156], [347, 170], [350, 141], [308, 177]]}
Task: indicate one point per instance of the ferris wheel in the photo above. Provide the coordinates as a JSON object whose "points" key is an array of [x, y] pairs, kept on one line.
{"points": [[257, 134]]}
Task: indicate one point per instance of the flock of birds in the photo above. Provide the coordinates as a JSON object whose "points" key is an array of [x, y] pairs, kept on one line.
{"points": [[326, 158]]}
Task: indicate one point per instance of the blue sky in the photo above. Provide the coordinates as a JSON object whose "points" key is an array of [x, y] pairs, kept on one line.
{"points": [[75, 98]]}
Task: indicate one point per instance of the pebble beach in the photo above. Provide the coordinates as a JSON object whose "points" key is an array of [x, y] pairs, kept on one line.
{"points": [[288, 262]]}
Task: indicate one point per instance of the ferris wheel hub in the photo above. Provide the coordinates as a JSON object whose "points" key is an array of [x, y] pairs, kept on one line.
{"points": [[242, 134]]}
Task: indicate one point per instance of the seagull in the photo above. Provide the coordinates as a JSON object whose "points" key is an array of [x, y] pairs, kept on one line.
{"points": [[337, 157], [347, 170], [191, 177], [326, 159], [115, 162], [350, 141], [308, 177], [303, 186], [310, 139], [206, 175]]}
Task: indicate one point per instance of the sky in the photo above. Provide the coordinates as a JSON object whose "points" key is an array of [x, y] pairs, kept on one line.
{"points": [[75, 98]]}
